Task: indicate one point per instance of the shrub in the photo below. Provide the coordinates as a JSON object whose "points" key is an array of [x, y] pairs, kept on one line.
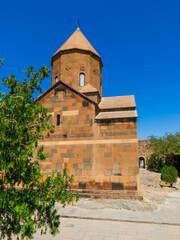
{"points": [[169, 174], [154, 163]]}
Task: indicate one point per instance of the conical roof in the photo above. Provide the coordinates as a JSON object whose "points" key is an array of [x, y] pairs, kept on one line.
{"points": [[77, 41]]}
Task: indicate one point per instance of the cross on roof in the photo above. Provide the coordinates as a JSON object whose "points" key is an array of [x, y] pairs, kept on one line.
{"points": [[78, 24]]}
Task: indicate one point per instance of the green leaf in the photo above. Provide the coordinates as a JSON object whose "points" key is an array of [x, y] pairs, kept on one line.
{"points": [[27, 201]]}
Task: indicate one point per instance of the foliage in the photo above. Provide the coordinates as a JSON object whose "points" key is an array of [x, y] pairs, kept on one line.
{"points": [[167, 146], [154, 163], [169, 174], [26, 201]]}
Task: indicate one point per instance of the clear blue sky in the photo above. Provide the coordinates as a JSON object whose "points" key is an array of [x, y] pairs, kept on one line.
{"points": [[138, 41]]}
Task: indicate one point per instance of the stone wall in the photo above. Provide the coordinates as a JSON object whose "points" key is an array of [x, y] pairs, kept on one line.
{"points": [[68, 66], [99, 155], [143, 150]]}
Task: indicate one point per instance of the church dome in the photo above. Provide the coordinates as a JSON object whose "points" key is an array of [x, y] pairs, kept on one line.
{"points": [[77, 41], [77, 64]]}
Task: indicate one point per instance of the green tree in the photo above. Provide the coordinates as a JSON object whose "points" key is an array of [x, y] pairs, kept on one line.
{"points": [[169, 174], [166, 147], [154, 163], [27, 202]]}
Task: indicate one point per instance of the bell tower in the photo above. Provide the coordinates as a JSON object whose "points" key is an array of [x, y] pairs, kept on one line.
{"points": [[77, 64]]}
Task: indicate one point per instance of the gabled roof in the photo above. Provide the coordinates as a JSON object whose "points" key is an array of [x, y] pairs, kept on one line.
{"points": [[117, 102], [67, 86], [77, 41], [88, 89]]}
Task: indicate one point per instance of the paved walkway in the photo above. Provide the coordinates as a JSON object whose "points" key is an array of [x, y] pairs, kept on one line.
{"points": [[168, 213], [110, 224], [81, 229]]}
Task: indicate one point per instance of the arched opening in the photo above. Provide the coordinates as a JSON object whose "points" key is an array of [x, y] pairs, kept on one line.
{"points": [[141, 162], [81, 79], [56, 79], [58, 120]]}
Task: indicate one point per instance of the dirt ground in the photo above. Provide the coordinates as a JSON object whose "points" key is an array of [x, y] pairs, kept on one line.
{"points": [[153, 195]]}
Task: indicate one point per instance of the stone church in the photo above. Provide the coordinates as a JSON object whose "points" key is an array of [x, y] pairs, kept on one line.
{"points": [[95, 137]]}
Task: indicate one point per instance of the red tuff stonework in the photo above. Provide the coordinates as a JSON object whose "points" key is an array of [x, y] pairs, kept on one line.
{"points": [[95, 137]]}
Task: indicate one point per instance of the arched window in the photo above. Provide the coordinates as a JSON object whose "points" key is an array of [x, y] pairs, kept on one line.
{"points": [[81, 79], [56, 79], [58, 120]]}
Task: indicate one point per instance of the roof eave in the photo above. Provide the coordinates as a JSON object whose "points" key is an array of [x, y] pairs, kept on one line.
{"points": [[67, 50]]}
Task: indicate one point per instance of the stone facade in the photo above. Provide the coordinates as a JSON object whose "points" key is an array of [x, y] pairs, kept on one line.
{"points": [[97, 137], [68, 66]]}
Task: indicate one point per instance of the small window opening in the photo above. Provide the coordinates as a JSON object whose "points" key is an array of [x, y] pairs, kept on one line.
{"points": [[58, 120], [81, 79], [56, 79]]}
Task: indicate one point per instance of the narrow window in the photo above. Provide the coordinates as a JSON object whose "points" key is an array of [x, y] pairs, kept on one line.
{"points": [[81, 79], [58, 120], [56, 79]]}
